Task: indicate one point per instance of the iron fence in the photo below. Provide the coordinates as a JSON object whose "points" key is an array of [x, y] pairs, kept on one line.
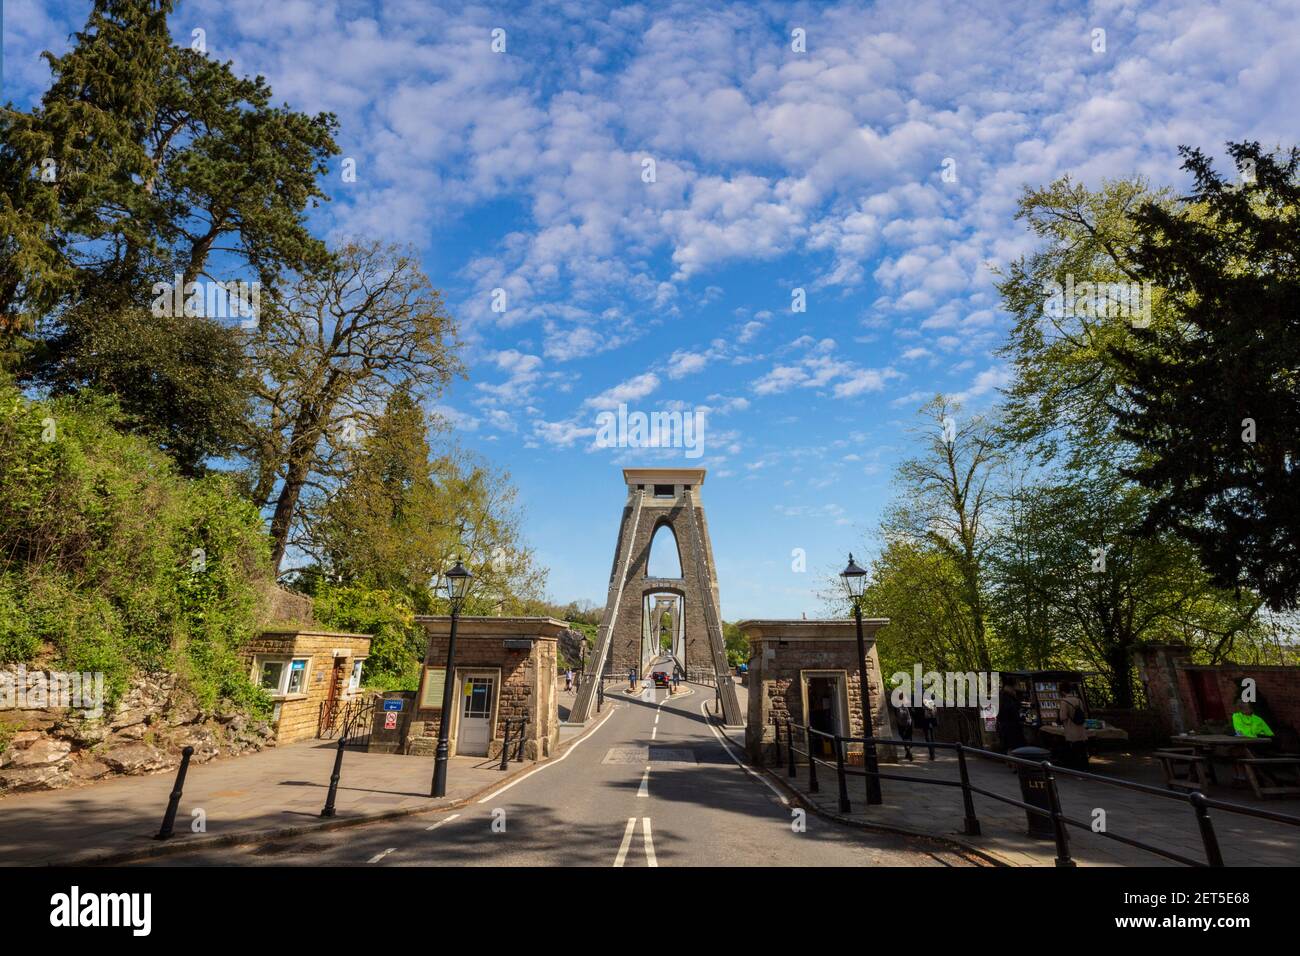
{"points": [[352, 720], [1199, 804]]}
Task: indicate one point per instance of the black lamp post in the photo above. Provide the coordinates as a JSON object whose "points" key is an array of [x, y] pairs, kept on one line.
{"points": [[855, 579], [457, 581]]}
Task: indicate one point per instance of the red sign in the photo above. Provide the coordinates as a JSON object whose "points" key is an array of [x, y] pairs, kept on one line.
{"points": [[390, 721]]}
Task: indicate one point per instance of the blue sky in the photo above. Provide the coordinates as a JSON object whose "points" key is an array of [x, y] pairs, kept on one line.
{"points": [[774, 170]]}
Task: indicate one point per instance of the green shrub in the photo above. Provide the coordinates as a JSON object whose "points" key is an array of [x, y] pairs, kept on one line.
{"points": [[398, 645], [114, 562]]}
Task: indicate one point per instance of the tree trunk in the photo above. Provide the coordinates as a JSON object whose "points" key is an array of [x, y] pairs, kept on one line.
{"points": [[1121, 671], [285, 506]]}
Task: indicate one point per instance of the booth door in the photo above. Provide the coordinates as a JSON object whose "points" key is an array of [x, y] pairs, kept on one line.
{"points": [[1209, 701], [475, 730], [823, 712]]}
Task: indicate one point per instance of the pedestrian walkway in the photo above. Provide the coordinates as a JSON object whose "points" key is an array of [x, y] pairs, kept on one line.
{"points": [[1169, 824], [270, 791]]}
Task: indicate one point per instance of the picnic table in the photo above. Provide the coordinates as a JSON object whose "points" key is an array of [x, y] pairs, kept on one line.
{"points": [[1197, 751]]}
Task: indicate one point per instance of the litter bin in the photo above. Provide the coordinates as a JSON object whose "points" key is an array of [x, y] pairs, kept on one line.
{"points": [[1033, 790]]}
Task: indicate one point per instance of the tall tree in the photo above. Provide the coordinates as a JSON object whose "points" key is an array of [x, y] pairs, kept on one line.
{"points": [[1100, 590], [947, 502], [404, 513], [1212, 401], [327, 358], [144, 162], [157, 159], [920, 589], [1065, 378]]}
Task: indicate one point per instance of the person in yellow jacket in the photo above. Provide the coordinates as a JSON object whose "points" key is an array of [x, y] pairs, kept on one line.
{"points": [[1247, 723]]}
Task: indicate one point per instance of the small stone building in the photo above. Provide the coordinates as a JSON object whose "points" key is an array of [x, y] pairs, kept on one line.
{"points": [[809, 669], [505, 668], [304, 672]]}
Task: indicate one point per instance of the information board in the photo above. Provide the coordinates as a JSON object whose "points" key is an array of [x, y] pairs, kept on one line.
{"points": [[435, 680]]}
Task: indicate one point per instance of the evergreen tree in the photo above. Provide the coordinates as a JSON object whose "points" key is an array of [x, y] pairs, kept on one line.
{"points": [[1212, 400]]}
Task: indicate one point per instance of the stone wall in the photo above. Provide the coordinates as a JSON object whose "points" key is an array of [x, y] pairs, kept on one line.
{"points": [[1172, 679], [55, 748], [51, 748]]}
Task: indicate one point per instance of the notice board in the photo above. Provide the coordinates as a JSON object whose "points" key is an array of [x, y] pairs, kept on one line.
{"points": [[435, 682]]}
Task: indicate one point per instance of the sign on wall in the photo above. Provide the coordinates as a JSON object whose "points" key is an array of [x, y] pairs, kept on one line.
{"points": [[435, 681]]}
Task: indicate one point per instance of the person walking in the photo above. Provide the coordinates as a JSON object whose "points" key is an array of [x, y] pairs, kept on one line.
{"points": [[631, 678], [1075, 728], [1011, 729], [905, 727], [929, 722], [568, 680]]}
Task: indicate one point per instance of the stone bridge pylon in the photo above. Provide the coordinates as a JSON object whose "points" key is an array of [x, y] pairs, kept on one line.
{"points": [[661, 498]]}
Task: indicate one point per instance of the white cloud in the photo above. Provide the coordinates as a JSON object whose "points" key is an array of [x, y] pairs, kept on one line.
{"points": [[631, 390]]}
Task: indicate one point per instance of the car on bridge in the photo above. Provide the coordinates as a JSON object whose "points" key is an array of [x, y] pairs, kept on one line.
{"points": [[660, 678]]}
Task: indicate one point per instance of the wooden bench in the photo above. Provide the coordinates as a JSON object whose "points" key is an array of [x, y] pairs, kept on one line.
{"points": [[1184, 768], [1272, 776]]}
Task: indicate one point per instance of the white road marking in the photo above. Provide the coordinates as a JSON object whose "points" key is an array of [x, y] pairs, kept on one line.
{"points": [[657, 717], [379, 856], [645, 783], [727, 747], [551, 763], [650, 858], [653, 732], [627, 842], [441, 822]]}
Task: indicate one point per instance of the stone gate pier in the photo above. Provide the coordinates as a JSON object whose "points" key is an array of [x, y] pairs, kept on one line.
{"points": [[808, 670], [505, 670]]}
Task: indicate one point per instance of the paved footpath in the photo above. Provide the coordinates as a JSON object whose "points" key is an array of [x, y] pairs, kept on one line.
{"points": [[269, 791], [1168, 823], [652, 785]]}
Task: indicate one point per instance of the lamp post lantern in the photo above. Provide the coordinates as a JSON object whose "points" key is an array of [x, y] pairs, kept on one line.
{"points": [[854, 579], [457, 583]]}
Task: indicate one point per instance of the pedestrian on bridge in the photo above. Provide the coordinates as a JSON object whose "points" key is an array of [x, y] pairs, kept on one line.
{"points": [[631, 678], [568, 680]]}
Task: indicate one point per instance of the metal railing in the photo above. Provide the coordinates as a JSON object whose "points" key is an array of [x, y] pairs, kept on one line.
{"points": [[505, 744], [348, 720], [1198, 802]]}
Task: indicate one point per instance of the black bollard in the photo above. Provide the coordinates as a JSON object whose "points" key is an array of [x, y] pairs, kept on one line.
{"points": [[505, 745], [519, 755], [169, 818], [328, 809]]}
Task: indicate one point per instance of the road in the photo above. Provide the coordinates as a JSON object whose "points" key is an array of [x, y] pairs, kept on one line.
{"points": [[654, 785]]}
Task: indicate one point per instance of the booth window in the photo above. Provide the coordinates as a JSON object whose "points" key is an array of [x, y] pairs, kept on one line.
{"points": [[354, 682], [282, 677], [297, 676], [272, 675]]}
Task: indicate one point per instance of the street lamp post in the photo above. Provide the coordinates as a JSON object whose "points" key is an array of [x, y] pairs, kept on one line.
{"points": [[855, 579], [457, 580]]}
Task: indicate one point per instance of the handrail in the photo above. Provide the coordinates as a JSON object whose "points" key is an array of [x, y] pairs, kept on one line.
{"points": [[1199, 803]]}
